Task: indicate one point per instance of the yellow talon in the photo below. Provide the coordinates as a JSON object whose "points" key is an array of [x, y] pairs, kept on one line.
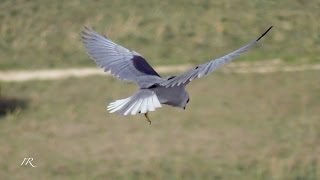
{"points": [[146, 115]]}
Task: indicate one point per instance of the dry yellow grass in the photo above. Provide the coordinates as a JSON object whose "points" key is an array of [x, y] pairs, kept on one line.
{"points": [[46, 34], [237, 126]]}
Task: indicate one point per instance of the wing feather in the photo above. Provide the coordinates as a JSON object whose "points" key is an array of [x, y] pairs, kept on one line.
{"points": [[122, 63], [209, 67]]}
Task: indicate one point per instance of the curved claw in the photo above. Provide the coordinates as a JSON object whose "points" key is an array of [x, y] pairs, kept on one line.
{"points": [[146, 115]]}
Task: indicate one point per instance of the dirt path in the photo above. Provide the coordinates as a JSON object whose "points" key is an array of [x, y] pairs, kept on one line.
{"points": [[260, 67]]}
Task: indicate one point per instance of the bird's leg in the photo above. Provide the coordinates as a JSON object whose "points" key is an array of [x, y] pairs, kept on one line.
{"points": [[146, 115]]}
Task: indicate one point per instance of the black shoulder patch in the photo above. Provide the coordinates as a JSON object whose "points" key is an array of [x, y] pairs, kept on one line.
{"points": [[142, 65], [171, 77], [153, 86]]}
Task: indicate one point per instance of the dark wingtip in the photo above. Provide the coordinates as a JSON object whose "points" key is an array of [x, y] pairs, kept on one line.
{"points": [[84, 32], [264, 33], [87, 30]]}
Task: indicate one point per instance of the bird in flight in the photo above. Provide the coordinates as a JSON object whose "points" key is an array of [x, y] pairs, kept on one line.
{"points": [[128, 65]]}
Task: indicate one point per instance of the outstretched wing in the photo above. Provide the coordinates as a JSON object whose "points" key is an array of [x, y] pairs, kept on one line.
{"points": [[207, 68], [122, 63]]}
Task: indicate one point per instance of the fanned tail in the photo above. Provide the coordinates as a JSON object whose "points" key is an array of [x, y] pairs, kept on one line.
{"points": [[143, 101]]}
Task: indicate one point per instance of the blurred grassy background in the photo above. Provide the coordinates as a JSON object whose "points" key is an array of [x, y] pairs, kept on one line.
{"points": [[237, 126], [46, 34]]}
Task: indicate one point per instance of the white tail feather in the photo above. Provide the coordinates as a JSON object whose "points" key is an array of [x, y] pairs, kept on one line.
{"points": [[150, 104], [142, 102], [144, 106], [119, 105], [156, 102], [136, 108], [130, 108]]}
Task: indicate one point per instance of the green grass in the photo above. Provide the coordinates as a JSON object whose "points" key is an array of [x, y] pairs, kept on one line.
{"points": [[235, 127], [46, 34]]}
